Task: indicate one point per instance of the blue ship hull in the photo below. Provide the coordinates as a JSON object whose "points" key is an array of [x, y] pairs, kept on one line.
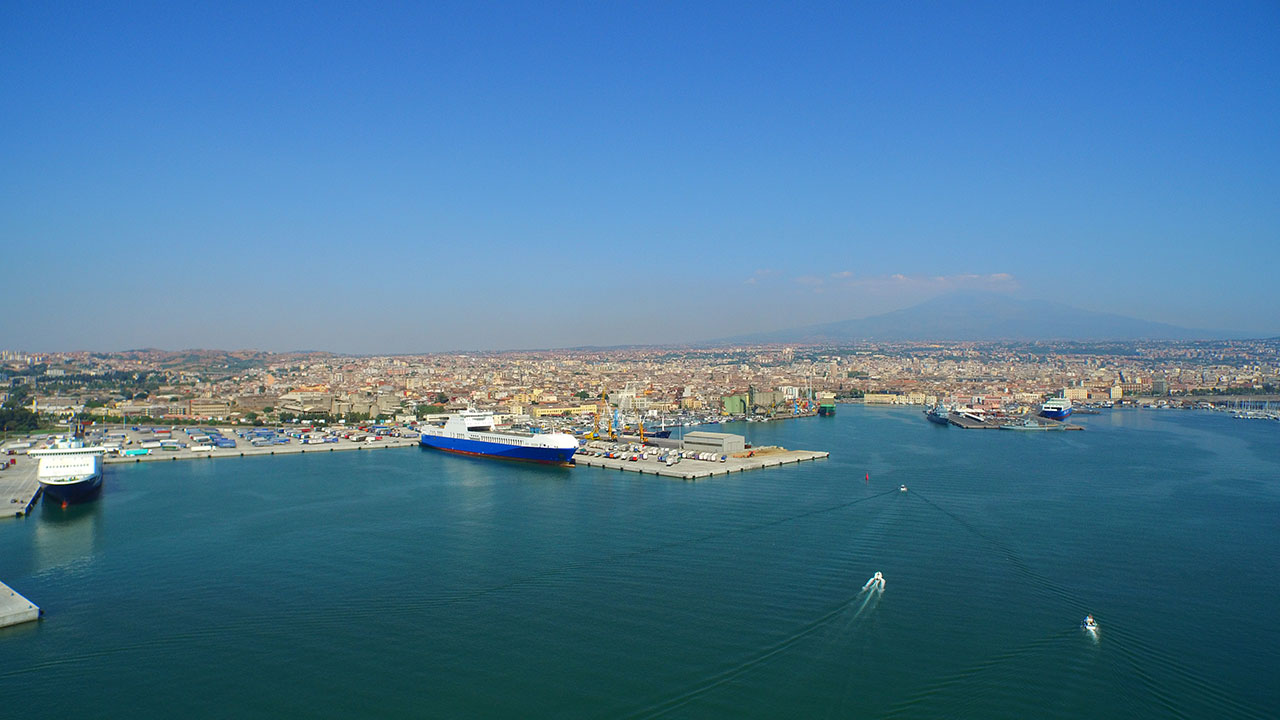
{"points": [[1056, 414], [74, 493], [480, 448]]}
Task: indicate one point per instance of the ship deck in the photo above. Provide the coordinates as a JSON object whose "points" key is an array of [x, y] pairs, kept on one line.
{"points": [[969, 423]]}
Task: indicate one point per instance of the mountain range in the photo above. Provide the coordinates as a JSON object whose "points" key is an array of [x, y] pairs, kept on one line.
{"points": [[980, 317]]}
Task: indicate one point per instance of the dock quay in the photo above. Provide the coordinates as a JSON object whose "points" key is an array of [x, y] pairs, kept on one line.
{"points": [[19, 487], [245, 450], [690, 469], [687, 469], [15, 609]]}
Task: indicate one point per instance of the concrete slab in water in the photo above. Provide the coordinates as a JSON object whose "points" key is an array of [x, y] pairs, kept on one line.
{"points": [[14, 608], [690, 469]]}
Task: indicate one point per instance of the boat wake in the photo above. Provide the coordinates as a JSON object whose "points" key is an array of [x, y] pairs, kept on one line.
{"points": [[718, 679], [865, 602], [875, 583], [468, 595]]}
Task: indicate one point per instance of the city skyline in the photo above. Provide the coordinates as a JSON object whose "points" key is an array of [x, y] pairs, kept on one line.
{"points": [[431, 179]]}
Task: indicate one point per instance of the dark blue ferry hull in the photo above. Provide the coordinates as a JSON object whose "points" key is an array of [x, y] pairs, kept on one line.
{"points": [[479, 448], [74, 492]]}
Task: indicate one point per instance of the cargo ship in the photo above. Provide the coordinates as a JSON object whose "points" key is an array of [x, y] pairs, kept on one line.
{"points": [[827, 409], [69, 472], [474, 433], [1056, 409]]}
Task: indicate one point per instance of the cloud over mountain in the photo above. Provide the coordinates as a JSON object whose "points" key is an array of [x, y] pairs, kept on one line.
{"points": [[969, 315]]}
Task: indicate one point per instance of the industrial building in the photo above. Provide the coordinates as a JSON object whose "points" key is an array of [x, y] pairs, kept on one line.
{"points": [[713, 442]]}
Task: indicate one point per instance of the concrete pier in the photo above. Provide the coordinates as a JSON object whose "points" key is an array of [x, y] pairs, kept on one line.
{"points": [[19, 487], [689, 469], [244, 449], [14, 608]]}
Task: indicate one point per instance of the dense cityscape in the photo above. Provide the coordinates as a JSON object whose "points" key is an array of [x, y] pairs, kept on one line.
{"points": [[640, 360], [250, 386]]}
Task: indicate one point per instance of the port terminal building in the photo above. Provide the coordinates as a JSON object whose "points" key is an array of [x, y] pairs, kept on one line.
{"points": [[714, 442]]}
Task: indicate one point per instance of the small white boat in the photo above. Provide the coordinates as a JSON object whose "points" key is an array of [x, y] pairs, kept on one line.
{"points": [[902, 488], [1089, 624]]}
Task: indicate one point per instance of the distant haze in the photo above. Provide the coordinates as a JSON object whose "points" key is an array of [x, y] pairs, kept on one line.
{"points": [[968, 316], [440, 176]]}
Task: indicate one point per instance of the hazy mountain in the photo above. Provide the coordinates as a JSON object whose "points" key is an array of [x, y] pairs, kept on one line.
{"points": [[973, 316]]}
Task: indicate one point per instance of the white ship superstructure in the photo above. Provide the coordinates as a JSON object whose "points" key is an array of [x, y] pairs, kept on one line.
{"points": [[69, 471], [474, 433]]}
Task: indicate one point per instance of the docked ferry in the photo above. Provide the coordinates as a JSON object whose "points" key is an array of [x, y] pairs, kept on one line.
{"points": [[938, 414], [474, 433], [69, 472], [1056, 409]]}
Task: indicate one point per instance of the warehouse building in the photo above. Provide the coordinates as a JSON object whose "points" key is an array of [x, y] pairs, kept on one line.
{"points": [[720, 443]]}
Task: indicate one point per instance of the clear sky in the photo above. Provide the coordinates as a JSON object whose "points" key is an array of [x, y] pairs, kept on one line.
{"points": [[379, 177]]}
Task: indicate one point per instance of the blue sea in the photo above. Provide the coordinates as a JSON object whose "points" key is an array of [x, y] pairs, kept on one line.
{"points": [[410, 583]]}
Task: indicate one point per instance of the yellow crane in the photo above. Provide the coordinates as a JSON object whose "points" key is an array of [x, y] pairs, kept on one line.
{"points": [[602, 407]]}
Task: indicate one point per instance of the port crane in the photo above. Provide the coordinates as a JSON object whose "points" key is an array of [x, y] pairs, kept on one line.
{"points": [[602, 407]]}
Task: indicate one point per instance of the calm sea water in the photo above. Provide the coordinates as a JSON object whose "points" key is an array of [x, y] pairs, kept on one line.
{"points": [[408, 583]]}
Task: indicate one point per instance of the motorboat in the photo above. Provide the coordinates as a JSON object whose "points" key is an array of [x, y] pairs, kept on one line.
{"points": [[875, 583]]}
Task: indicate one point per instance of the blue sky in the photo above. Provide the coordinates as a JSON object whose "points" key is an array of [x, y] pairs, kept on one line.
{"points": [[433, 176]]}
